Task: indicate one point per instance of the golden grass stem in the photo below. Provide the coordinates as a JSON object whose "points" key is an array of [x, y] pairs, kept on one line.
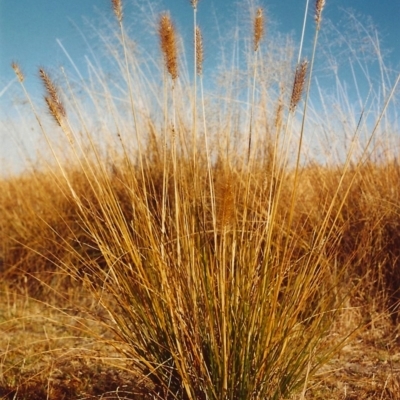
{"points": [[303, 31], [198, 54], [117, 7], [20, 76], [296, 94], [258, 32]]}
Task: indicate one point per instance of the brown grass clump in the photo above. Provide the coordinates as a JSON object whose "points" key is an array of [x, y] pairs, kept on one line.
{"points": [[368, 236]]}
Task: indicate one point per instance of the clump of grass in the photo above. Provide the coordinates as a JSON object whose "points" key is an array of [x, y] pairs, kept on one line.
{"points": [[204, 314], [217, 283]]}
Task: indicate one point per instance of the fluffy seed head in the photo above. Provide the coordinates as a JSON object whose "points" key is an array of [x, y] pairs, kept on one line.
{"points": [[194, 3], [199, 51], [298, 84], [17, 71], [319, 6], [53, 101], [167, 34], [258, 28], [117, 7]]}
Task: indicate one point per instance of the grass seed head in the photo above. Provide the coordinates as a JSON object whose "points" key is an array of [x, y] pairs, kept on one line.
{"points": [[199, 51], [319, 6], [258, 28], [167, 34], [298, 84], [17, 71], [52, 99], [194, 3], [54, 110], [117, 7]]}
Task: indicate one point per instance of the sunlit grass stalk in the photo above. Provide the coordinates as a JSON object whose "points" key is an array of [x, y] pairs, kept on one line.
{"points": [[199, 70], [169, 49], [58, 112], [195, 72], [293, 103], [258, 33], [96, 172], [21, 78], [319, 5], [303, 32], [101, 189], [118, 11]]}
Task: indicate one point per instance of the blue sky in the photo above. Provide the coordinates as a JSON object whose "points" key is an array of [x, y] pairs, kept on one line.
{"points": [[31, 31]]}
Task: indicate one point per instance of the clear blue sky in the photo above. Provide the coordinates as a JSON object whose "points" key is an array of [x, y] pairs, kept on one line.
{"points": [[29, 29]]}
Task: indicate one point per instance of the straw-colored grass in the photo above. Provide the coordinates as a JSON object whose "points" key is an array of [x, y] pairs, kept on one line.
{"points": [[181, 253]]}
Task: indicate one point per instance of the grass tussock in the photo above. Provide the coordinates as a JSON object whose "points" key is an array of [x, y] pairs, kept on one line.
{"points": [[191, 249]]}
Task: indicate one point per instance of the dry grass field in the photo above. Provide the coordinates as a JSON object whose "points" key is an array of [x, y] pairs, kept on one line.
{"points": [[177, 242]]}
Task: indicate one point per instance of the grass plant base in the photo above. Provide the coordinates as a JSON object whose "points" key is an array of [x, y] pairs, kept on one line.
{"points": [[48, 357]]}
